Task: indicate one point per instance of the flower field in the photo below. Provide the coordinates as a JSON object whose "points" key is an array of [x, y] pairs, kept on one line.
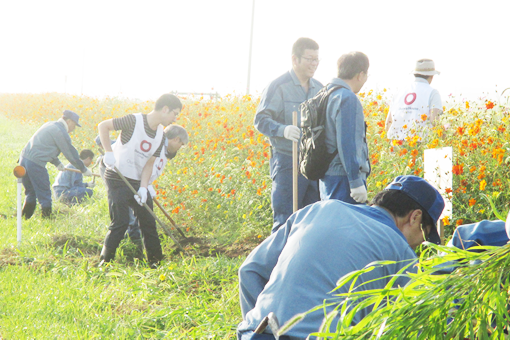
{"points": [[219, 185], [218, 189]]}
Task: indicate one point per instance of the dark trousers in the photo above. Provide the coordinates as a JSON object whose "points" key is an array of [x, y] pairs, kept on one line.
{"points": [[120, 200], [36, 183]]}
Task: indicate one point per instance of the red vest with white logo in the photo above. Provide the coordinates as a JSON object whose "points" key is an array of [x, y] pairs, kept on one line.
{"points": [[130, 158], [407, 111]]}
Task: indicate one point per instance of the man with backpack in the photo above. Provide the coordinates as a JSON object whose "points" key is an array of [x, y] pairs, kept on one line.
{"points": [[345, 128], [274, 120]]}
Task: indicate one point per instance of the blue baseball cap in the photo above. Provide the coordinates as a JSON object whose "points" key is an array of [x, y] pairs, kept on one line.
{"points": [[72, 116], [420, 191]]}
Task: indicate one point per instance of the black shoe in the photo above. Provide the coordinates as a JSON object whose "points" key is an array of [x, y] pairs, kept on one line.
{"points": [[46, 212], [28, 209], [107, 254], [154, 258]]}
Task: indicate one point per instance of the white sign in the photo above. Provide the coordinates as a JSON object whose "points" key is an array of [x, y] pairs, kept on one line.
{"points": [[438, 172]]}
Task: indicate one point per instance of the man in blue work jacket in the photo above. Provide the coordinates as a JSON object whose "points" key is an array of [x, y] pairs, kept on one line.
{"points": [[346, 132], [296, 268], [274, 120], [45, 146]]}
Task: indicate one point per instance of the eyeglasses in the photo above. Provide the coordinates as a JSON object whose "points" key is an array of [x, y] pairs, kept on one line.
{"points": [[311, 60]]}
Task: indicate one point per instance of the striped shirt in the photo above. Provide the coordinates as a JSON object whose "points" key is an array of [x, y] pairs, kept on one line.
{"points": [[126, 125]]}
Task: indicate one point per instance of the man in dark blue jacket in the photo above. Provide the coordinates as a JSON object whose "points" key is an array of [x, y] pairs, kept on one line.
{"points": [[45, 146]]}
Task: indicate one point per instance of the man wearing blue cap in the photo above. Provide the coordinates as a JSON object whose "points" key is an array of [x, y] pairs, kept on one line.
{"points": [[45, 146], [296, 268]]}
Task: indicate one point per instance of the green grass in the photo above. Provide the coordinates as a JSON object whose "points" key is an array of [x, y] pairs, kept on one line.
{"points": [[51, 285]]}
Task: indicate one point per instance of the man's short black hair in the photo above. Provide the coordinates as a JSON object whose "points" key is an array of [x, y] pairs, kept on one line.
{"points": [[86, 153], [168, 100], [302, 44], [350, 64], [400, 205]]}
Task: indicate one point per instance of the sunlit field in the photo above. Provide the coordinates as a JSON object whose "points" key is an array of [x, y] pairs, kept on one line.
{"points": [[217, 189]]}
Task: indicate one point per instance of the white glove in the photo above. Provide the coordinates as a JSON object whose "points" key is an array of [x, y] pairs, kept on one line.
{"points": [[61, 167], [151, 190], [141, 196], [87, 172], [292, 133], [109, 160], [359, 194], [91, 184]]}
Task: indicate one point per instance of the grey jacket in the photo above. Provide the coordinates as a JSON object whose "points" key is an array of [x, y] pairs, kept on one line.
{"points": [[48, 142]]}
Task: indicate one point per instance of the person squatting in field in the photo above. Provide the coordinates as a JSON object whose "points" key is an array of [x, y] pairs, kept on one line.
{"points": [[296, 268], [139, 144], [45, 146], [347, 174], [416, 107], [69, 187], [274, 120]]}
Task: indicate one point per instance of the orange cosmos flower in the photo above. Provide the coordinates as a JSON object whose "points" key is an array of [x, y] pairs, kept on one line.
{"points": [[489, 105], [424, 117], [472, 202]]}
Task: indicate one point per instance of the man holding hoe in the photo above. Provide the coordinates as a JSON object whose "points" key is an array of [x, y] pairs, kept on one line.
{"points": [[274, 120], [140, 142]]}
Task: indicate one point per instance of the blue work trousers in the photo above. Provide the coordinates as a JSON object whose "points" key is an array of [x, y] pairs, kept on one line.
{"points": [[73, 195], [336, 187], [281, 193], [36, 183]]}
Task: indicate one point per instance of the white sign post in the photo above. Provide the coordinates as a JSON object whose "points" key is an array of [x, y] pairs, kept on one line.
{"points": [[438, 165]]}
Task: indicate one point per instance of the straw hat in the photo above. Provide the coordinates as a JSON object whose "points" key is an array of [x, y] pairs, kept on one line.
{"points": [[425, 67]]}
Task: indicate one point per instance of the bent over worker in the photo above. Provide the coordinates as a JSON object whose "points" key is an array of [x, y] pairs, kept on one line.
{"points": [[296, 268], [139, 144], [45, 146]]}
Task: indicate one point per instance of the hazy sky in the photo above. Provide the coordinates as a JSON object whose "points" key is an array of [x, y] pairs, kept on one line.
{"points": [[142, 49]]}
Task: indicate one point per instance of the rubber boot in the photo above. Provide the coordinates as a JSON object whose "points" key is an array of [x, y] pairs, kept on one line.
{"points": [[28, 209], [107, 254], [46, 212], [154, 257]]}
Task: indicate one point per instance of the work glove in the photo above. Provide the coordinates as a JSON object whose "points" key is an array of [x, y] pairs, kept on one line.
{"points": [[61, 167], [141, 196], [109, 160], [87, 172], [292, 133], [90, 184], [151, 190], [359, 194]]}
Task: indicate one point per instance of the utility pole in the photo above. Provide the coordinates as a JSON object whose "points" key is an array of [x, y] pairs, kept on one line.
{"points": [[251, 44]]}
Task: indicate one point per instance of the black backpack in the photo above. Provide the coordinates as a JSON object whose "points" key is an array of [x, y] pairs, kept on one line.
{"points": [[314, 158]]}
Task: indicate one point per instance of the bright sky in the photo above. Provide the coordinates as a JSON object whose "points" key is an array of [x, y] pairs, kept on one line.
{"points": [[141, 49]]}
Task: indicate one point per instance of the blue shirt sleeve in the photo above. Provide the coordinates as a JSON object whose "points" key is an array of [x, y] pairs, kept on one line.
{"points": [[269, 112], [258, 266], [345, 110]]}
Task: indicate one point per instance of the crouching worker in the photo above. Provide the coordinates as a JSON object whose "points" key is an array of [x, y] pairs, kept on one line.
{"points": [[296, 268], [69, 187], [140, 142]]}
